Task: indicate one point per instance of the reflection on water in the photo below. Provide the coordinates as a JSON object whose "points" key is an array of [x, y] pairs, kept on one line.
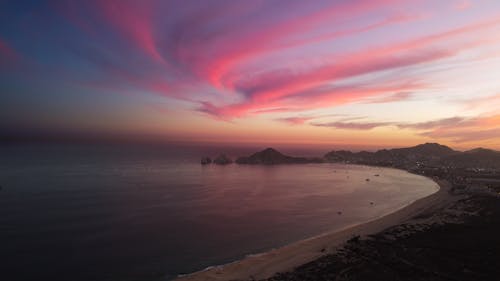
{"points": [[105, 213]]}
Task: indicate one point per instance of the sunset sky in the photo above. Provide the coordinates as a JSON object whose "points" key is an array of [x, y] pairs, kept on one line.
{"points": [[376, 73]]}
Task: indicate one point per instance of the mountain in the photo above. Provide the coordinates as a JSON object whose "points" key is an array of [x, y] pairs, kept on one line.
{"points": [[426, 150], [475, 158], [271, 156], [428, 153]]}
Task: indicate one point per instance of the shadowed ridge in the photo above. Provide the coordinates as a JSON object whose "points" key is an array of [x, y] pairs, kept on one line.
{"points": [[427, 154], [482, 150], [271, 156], [434, 149], [481, 158]]}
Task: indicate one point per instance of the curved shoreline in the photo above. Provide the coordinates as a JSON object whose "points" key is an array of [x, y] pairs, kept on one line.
{"points": [[286, 258]]}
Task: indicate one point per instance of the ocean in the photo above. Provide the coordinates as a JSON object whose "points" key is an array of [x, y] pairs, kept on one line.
{"points": [[137, 212]]}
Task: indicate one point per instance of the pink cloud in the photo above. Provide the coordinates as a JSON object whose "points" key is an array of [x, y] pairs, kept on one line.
{"points": [[201, 44], [390, 20], [295, 120], [433, 125], [460, 136], [134, 19], [462, 5], [312, 99], [275, 39], [446, 122], [480, 101], [224, 113], [460, 129], [411, 52], [280, 87], [299, 120], [455, 129], [360, 64]]}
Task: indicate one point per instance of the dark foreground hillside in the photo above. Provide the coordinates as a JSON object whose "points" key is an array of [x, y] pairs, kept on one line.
{"points": [[461, 242]]}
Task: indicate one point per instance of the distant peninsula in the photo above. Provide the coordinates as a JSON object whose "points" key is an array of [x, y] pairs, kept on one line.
{"points": [[271, 156]]}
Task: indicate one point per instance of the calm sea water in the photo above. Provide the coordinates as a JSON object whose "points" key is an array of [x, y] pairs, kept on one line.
{"points": [[150, 213]]}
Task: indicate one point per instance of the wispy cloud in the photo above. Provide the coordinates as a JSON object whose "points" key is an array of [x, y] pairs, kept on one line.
{"points": [[299, 120], [420, 126], [461, 136], [201, 45], [295, 120], [400, 96], [353, 125], [471, 129], [456, 129], [284, 85], [479, 102], [228, 60], [446, 122]]}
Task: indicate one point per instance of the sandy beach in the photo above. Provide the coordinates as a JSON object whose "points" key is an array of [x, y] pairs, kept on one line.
{"points": [[290, 256]]}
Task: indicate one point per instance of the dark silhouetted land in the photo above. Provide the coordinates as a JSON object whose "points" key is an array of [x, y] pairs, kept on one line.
{"points": [[270, 156], [451, 235]]}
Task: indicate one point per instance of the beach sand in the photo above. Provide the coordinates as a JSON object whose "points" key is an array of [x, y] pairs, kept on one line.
{"points": [[290, 256]]}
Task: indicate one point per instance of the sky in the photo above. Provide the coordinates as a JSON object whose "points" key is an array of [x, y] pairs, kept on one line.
{"points": [[376, 73]]}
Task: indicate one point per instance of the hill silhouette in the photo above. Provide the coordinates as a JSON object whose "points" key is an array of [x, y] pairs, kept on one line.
{"points": [[475, 158], [431, 154], [271, 156]]}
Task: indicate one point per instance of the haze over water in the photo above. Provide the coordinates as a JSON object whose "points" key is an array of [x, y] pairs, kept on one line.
{"points": [[148, 213]]}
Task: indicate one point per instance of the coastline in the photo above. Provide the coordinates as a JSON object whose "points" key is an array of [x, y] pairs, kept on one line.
{"points": [[288, 257]]}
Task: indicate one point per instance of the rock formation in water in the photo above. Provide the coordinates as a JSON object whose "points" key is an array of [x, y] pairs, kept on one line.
{"points": [[222, 159], [206, 160]]}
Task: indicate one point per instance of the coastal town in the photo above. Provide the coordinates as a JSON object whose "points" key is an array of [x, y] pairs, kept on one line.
{"points": [[477, 169]]}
